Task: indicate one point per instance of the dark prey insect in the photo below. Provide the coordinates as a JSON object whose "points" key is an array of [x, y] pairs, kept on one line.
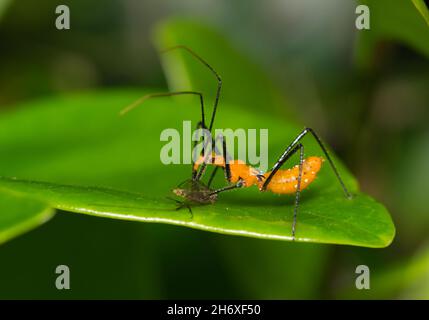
{"points": [[193, 192], [237, 173]]}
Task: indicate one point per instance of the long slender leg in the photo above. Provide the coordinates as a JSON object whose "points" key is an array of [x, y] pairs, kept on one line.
{"points": [[205, 63], [225, 155], [286, 155], [194, 172], [167, 94], [226, 159], [198, 175], [208, 157], [292, 151], [182, 204], [299, 147], [298, 190], [212, 176], [239, 184], [200, 124], [195, 176], [227, 169]]}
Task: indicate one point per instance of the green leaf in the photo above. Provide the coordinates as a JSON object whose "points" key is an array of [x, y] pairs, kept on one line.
{"points": [[19, 214], [399, 21], [423, 9], [80, 140], [244, 83], [324, 224]]}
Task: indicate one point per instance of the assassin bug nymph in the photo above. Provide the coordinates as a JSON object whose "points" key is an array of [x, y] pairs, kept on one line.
{"points": [[237, 173]]}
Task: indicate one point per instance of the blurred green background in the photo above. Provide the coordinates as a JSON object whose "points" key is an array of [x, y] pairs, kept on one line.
{"points": [[367, 92]]}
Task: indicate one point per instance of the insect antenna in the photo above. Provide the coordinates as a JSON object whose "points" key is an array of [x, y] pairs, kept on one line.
{"points": [[216, 101], [141, 100], [205, 63], [195, 175]]}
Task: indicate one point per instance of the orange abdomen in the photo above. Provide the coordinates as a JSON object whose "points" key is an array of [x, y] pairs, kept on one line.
{"points": [[239, 170], [286, 181]]}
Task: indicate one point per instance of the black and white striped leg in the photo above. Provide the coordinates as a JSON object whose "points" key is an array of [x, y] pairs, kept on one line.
{"points": [[298, 190]]}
